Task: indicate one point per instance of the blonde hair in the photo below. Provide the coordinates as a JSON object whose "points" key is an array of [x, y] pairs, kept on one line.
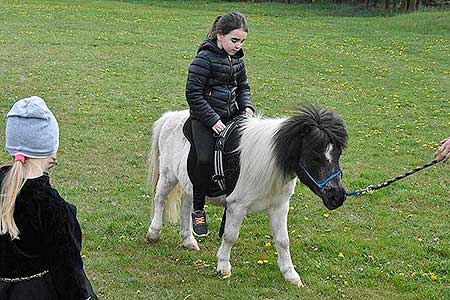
{"points": [[12, 184]]}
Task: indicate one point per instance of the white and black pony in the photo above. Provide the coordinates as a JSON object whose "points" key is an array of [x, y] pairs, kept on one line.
{"points": [[273, 152]]}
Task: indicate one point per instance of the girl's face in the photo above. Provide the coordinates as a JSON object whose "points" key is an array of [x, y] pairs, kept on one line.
{"points": [[231, 42]]}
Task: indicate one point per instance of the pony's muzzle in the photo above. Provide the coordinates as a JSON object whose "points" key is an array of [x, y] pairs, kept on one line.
{"points": [[333, 197]]}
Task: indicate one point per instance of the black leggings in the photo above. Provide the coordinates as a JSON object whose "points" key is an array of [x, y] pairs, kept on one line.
{"points": [[204, 147]]}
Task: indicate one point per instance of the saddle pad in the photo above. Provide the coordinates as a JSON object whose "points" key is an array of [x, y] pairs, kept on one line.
{"points": [[230, 161]]}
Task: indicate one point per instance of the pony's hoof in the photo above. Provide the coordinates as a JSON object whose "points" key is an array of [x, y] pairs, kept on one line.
{"points": [[190, 243], [298, 283], [224, 268], [192, 247], [152, 241], [153, 237], [294, 279]]}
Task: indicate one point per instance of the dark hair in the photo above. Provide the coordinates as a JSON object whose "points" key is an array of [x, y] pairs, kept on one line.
{"points": [[227, 23]]}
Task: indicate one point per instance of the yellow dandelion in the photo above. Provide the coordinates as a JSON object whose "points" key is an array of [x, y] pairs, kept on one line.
{"points": [[341, 255], [326, 215], [226, 276], [260, 262], [434, 277], [268, 244]]}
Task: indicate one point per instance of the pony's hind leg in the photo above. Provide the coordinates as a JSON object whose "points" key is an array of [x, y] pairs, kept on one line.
{"points": [[163, 188], [187, 238]]}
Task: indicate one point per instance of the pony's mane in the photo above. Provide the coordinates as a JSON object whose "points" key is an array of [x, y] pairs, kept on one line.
{"points": [[312, 124], [270, 148]]}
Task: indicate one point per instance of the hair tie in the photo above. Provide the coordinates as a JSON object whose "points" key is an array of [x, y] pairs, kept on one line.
{"points": [[19, 157]]}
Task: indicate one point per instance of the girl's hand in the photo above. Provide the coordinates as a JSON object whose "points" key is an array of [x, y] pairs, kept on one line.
{"points": [[218, 127], [443, 153], [248, 112]]}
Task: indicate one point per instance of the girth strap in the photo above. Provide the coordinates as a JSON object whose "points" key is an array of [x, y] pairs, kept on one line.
{"points": [[219, 175]]}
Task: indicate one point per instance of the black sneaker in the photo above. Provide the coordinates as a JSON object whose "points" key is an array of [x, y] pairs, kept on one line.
{"points": [[199, 223]]}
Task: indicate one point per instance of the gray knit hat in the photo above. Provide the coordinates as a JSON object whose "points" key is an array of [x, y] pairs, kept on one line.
{"points": [[31, 129]]}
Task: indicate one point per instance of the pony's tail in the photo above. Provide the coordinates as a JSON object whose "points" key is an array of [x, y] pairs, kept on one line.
{"points": [[153, 157], [172, 205]]}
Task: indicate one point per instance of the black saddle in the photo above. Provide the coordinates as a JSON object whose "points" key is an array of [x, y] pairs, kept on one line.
{"points": [[224, 169]]}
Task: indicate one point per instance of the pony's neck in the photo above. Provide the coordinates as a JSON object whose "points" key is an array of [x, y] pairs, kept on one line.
{"points": [[258, 166]]}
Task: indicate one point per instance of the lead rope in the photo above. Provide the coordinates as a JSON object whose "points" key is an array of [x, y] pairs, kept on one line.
{"points": [[372, 188]]}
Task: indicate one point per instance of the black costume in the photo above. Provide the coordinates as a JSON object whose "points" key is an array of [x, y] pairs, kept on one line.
{"points": [[216, 89], [45, 262]]}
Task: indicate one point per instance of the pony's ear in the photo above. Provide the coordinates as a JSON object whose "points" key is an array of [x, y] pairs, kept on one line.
{"points": [[305, 129]]}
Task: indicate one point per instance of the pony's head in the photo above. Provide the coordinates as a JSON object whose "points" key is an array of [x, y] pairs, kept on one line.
{"points": [[309, 145]]}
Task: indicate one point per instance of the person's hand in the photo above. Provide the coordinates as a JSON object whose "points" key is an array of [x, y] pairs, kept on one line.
{"points": [[248, 112], [218, 127], [443, 153]]}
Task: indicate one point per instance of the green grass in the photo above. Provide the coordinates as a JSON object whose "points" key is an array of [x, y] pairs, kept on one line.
{"points": [[109, 69]]}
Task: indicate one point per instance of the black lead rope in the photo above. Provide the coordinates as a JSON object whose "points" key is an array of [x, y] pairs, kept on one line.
{"points": [[368, 189], [372, 188]]}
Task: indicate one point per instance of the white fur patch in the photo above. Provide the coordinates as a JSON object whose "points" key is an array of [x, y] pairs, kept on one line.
{"points": [[328, 153]]}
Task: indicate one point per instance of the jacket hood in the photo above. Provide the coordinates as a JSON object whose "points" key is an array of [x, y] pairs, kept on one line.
{"points": [[212, 46]]}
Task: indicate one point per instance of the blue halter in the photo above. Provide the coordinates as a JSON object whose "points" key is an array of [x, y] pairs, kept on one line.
{"points": [[322, 184]]}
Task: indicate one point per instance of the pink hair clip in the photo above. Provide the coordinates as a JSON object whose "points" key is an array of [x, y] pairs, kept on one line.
{"points": [[19, 157]]}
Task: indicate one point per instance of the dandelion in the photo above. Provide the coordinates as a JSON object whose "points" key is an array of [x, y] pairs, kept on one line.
{"points": [[341, 255], [433, 277], [262, 261]]}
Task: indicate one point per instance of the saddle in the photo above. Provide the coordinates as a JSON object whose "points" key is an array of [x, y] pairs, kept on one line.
{"points": [[224, 169]]}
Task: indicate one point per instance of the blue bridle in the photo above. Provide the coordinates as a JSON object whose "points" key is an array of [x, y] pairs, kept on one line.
{"points": [[322, 184]]}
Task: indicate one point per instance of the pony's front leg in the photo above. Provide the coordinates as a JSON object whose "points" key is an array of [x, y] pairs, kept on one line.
{"points": [[233, 222], [278, 223], [187, 238]]}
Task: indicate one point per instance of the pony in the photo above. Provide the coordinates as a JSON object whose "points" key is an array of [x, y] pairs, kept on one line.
{"points": [[274, 152]]}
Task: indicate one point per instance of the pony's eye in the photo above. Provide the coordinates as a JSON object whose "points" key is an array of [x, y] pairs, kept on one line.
{"points": [[316, 159]]}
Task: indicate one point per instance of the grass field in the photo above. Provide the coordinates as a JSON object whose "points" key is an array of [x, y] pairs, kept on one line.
{"points": [[108, 69]]}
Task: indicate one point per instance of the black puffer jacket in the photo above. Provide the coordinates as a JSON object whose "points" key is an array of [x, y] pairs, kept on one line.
{"points": [[217, 86]]}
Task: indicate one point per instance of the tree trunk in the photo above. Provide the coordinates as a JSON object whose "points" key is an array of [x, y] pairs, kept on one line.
{"points": [[404, 5], [387, 4], [418, 2], [412, 5], [394, 5]]}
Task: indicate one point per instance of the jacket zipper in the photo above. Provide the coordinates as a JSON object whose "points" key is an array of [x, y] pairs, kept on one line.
{"points": [[228, 89]]}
